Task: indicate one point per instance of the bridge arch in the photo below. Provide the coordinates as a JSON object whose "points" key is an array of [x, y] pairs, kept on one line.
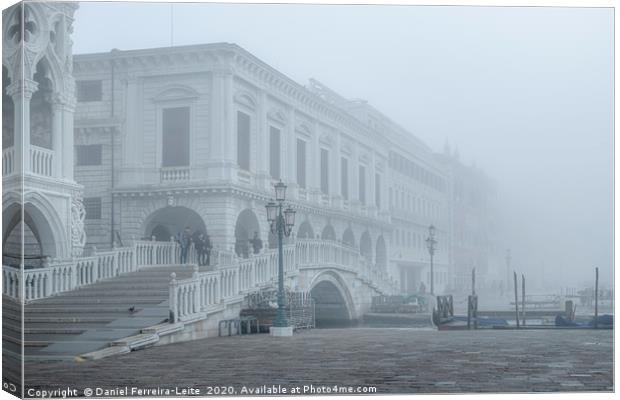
{"points": [[328, 233], [366, 247], [348, 237], [169, 221], [334, 304]]}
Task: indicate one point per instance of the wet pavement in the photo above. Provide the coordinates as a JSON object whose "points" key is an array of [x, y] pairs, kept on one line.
{"points": [[392, 360]]}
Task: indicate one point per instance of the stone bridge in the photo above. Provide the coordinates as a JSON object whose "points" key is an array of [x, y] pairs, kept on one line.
{"points": [[336, 276]]}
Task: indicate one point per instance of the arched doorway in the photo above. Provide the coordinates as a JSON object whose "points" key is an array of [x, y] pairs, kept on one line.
{"points": [[332, 303], [167, 222], [366, 247], [305, 231], [381, 254], [328, 233], [247, 224], [348, 238], [39, 240]]}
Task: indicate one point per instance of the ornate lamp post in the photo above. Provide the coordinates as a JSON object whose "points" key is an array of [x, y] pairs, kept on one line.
{"points": [[431, 244], [281, 223]]}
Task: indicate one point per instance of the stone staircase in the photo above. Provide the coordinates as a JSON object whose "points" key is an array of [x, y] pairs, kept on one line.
{"points": [[91, 317]]}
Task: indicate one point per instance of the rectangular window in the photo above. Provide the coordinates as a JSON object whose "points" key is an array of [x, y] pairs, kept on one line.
{"points": [[243, 140], [301, 163], [325, 171], [344, 178], [88, 154], [274, 152], [378, 191], [88, 90], [362, 184], [175, 137], [92, 206]]}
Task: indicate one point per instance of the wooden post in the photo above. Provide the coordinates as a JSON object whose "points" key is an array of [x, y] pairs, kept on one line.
{"points": [[516, 299], [523, 299], [469, 312], [473, 281], [596, 300]]}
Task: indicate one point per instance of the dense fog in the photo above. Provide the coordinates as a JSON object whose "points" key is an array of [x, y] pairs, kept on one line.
{"points": [[525, 94]]}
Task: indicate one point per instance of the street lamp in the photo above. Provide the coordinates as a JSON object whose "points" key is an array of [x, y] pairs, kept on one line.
{"points": [[431, 244], [281, 223]]}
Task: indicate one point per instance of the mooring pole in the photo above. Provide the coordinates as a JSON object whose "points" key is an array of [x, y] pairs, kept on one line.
{"points": [[596, 300], [473, 281], [516, 300], [523, 299]]}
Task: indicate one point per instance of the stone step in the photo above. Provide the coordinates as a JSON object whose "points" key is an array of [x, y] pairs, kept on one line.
{"points": [[51, 329], [76, 309], [117, 291], [70, 319], [54, 301]]}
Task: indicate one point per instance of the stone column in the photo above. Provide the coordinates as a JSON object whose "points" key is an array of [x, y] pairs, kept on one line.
{"points": [[335, 185], [315, 162], [262, 144], [21, 92], [222, 141], [371, 185], [290, 171], [130, 148], [68, 108], [57, 138]]}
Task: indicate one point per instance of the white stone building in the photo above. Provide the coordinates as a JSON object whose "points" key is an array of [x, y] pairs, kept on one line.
{"points": [[197, 136]]}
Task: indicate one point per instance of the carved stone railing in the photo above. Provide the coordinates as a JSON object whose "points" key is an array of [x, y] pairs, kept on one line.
{"points": [[174, 174], [191, 299], [41, 161], [8, 161], [59, 276]]}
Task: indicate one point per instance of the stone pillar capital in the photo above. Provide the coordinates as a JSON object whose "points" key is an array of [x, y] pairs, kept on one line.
{"points": [[22, 89], [63, 101]]}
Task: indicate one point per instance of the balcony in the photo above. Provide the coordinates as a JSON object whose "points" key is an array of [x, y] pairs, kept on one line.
{"points": [[41, 161], [8, 161], [174, 174]]}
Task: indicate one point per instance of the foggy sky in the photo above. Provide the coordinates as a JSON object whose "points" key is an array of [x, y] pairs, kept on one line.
{"points": [[525, 93]]}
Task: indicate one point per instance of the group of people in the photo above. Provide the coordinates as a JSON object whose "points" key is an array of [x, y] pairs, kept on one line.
{"points": [[242, 247], [202, 246]]}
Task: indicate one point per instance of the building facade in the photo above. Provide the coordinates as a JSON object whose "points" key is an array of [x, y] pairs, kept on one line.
{"points": [[197, 136]]}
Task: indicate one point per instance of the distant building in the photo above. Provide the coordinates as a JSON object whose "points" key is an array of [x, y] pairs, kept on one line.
{"points": [[475, 226]]}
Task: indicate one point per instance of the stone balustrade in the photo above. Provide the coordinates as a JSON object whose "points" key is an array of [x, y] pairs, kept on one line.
{"points": [[41, 161], [59, 276], [174, 174], [8, 161]]}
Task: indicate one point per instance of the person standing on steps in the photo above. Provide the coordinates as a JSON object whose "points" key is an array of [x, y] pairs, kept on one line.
{"points": [[185, 240]]}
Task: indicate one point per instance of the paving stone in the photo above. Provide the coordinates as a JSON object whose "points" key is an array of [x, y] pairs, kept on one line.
{"points": [[393, 360]]}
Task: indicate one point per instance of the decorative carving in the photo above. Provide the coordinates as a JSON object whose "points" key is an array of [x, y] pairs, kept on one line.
{"points": [[22, 28], [78, 235], [171, 200]]}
